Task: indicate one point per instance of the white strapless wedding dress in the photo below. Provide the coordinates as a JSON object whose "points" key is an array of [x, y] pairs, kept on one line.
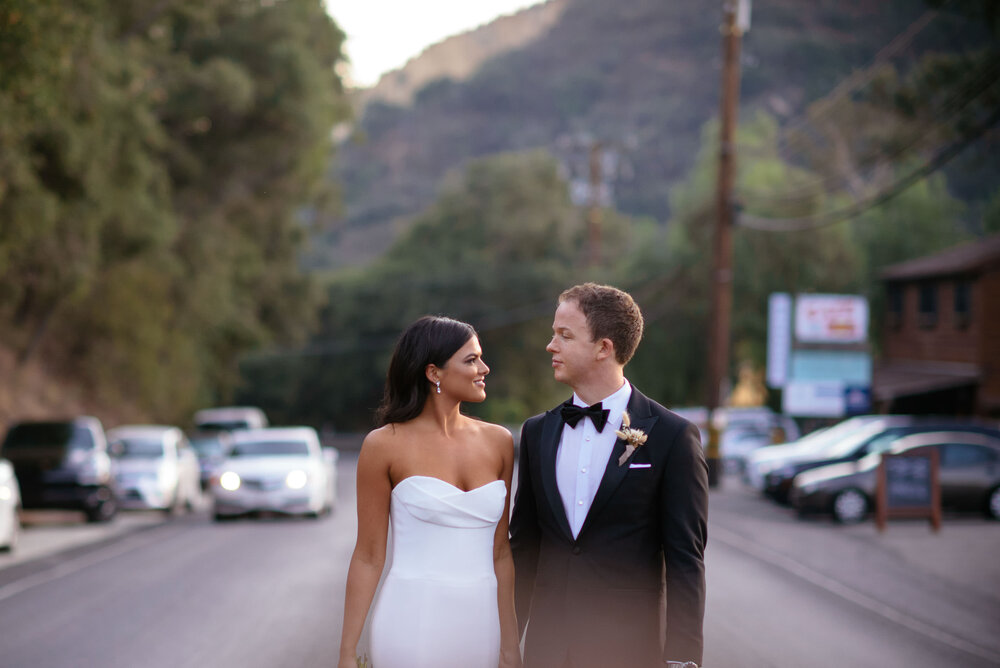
{"points": [[438, 604]]}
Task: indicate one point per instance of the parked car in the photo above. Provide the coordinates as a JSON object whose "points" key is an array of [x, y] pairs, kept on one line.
{"points": [[229, 418], [280, 470], [774, 457], [968, 475], [211, 448], [64, 464], [10, 506], [745, 430], [157, 469], [874, 436]]}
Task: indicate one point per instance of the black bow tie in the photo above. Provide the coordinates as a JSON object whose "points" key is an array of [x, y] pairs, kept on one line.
{"points": [[571, 414]]}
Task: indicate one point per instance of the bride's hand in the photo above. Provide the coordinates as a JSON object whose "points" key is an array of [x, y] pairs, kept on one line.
{"points": [[510, 658]]}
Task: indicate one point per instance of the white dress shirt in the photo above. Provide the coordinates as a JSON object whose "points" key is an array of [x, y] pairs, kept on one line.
{"points": [[583, 455]]}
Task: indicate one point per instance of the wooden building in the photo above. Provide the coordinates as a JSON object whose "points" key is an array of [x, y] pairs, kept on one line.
{"points": [[941, 339]]}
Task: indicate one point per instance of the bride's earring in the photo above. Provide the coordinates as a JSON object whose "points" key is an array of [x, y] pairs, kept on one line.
{"points": [[438, 383]]}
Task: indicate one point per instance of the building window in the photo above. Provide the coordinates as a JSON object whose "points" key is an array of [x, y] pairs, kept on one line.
{"points": [[963, 302], [895, 297], [928, 307]]}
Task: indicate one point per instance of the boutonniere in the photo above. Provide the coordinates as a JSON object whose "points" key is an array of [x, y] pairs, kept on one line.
{"points": [[633, 438]]}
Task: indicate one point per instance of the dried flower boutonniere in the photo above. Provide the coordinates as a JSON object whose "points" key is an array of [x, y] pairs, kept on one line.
{"points": [[633, 438]]}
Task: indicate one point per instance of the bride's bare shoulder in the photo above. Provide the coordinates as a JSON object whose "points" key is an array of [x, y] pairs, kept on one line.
{"points": [[381, 440], [496, 434]]}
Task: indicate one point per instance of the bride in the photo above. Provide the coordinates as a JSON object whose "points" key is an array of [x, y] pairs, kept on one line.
{"points": [[441, 480]]}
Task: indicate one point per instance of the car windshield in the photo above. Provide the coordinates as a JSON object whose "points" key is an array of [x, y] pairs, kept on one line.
{"points": [[821, 439], [224, 425], [883, 441], [207, 447], [848, 443], [58, 435], [141, 448], [269, 448]]}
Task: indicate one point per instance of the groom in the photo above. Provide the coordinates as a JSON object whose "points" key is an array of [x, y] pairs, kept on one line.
{"points": [[596, 525]]}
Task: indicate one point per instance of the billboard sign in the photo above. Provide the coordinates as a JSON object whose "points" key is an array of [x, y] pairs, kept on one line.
{"points": [[831, 319]]}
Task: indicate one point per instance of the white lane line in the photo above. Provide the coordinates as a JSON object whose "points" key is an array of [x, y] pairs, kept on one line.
{"points": [[775, 558], [78, 564]]}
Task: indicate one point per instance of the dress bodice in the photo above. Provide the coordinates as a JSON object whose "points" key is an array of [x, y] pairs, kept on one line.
{"points": [[442, 532]]}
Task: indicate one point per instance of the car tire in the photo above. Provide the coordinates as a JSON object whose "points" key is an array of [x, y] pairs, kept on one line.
{"points": [[850, 506], [104, 511], [174, 507], [993, 503]]}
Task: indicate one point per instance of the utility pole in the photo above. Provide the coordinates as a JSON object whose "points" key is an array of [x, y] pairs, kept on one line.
{"points": [[594, 206], [722, 246]]}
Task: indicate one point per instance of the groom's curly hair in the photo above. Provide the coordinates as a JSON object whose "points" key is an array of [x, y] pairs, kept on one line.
{"points": [[611, 314]]}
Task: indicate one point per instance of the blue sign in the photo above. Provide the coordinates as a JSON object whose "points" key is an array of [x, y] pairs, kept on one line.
{"points": [[857, 399]]}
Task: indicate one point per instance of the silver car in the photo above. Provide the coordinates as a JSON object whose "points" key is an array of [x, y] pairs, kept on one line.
{"points": [[968, 475], [276, 470], [157, 469], [10, 504]]}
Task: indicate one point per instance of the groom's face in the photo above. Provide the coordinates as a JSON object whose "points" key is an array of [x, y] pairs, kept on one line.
{"points": [[574, 351]]}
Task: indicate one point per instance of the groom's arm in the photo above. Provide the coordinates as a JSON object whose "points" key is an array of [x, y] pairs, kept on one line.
{"points": [[684, 531], [524, 533]]}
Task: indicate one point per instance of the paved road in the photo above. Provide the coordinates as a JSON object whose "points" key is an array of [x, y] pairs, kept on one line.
{"points": [[188, 592], [269, 593], [786, 592]]}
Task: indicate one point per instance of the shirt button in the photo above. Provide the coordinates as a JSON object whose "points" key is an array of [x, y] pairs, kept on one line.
{"points": [[576, 550], [583, 470], [579, 503]]}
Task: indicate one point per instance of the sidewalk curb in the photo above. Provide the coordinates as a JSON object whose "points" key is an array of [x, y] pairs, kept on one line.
{"points": [[43, 562]]}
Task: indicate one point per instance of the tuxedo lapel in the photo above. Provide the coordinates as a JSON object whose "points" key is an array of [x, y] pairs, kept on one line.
{"points": [[642, 419], [549, 446]]}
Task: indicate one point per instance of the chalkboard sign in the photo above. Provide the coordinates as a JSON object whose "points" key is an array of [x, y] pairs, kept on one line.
{"points": [[908, 481], [908, 487]]}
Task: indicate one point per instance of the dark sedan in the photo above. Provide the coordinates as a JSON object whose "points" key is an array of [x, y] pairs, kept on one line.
{"points": [[968, 474], [872, 438]]}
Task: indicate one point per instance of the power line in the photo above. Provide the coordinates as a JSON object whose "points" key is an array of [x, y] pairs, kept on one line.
{"points": [[961, 97], [855, 210]]}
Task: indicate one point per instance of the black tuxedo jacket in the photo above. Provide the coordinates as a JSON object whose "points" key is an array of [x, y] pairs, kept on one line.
{"points": [[599, 598]]}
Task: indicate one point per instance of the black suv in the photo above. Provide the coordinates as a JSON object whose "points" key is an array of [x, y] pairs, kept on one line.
{"points": [[64, 464]]}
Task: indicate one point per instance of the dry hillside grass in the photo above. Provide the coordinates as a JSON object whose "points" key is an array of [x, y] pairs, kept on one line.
{"points": [[33, 392]]}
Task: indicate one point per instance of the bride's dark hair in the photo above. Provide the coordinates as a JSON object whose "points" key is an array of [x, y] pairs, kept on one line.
{"points": [[429, 340]]}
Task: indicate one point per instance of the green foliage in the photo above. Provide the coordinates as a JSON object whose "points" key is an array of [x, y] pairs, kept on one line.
{"points": [[991, 215], [495, 250], [154, 162], [632, 69]]}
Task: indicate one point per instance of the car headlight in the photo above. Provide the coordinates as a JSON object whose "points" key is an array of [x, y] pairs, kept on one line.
{"points": [[229, 481], [296, 479]]}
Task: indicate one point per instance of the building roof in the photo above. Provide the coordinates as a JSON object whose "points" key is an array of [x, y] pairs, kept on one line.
{"points": [[901, 378], [963, 259]]}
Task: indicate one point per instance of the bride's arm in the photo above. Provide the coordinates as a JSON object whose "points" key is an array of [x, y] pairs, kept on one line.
{"points": [[374, 492], [503, 565]]}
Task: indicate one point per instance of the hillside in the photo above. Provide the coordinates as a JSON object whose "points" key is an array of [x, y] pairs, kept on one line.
{"points": [[459, 57], [35, 392], [640, 75]]}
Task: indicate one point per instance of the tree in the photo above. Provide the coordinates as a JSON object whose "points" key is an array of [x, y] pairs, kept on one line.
{"points": [[155, 161], [495, 249]]}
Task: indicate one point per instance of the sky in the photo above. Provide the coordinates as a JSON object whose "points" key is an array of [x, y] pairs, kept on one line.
{"points": [[383, 34]]}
